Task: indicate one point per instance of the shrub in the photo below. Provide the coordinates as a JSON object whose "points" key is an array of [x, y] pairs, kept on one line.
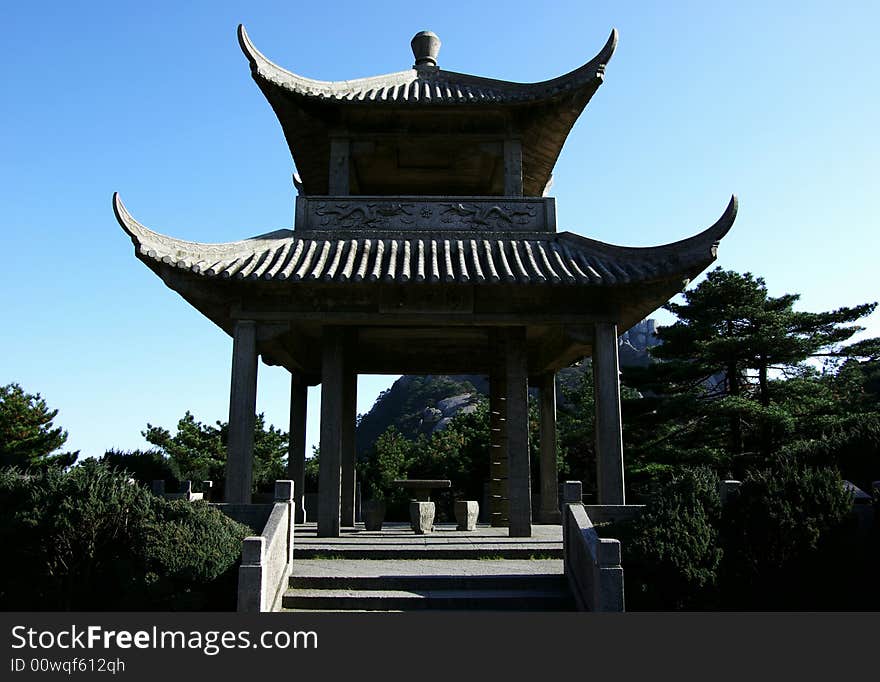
{"points": [[90, 540], [780, 536], [71, 536], [671, 552], [852, 446], [191, 553], [144, 466]]}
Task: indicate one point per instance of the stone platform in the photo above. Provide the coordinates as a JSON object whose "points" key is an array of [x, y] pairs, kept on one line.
{"points": [[397, 541]]}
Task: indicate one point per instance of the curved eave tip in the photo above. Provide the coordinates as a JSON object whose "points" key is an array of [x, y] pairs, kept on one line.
{"points": [[725, 222], [244, 42], [132, 227], [123, 217], [258, 61], [605, 54]]}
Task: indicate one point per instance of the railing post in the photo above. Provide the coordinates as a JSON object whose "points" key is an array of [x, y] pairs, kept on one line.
{"points": [[284, 492], [251, 587], [608, 577], [592, 564], [572, 492]]}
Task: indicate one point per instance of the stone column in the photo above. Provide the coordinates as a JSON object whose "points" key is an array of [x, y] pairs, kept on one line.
{"points": [[330, 464], [339, 182], [242, 413], [609, 432], [549, 512], [498, 501], [513, 180], [349, 453], [519, 474], [296, 454]]}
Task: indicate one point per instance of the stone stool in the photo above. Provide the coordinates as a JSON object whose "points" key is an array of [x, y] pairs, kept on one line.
{"points": [[421, 515], [466, 513]]}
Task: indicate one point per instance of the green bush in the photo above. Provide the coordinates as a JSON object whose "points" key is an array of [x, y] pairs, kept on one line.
{"points": [[90, 540], [852, 446], [786, 541], [145, 466], [782, 533], [671, 552], [191, 553]]}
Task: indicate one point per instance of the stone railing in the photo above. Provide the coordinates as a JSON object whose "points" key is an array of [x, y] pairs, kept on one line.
{"points": [[267, 559], [592, 564], [185, 492]]}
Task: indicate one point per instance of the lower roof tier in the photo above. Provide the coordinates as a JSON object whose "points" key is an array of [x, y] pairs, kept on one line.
{"points": [[449, 257], [423, 302]]}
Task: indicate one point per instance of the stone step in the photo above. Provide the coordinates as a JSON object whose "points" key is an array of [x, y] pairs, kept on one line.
{"points": [[409, 600], [420, 583], [404, 585], [335, 551]]}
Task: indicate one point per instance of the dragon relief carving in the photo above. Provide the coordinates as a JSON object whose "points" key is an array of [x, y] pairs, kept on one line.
{"points": [[364, 214], [473, 215], [488, 216]]}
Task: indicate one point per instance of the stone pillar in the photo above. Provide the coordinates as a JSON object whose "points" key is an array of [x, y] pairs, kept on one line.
{"points": [[242, 413], [513, 181], [549, 512], [609, 432], [519, 485], [349, 453], [296, 453], [330, 464], [339, 183], [498, 501]]}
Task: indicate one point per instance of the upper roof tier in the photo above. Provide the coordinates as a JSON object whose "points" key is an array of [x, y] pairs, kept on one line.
{"points": [[442, 118]]}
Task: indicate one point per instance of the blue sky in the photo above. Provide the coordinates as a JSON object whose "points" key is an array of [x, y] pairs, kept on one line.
{"points": [[777, 102]]}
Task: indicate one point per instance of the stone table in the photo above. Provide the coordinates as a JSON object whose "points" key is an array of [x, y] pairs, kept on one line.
{"points": [[422, 487]]}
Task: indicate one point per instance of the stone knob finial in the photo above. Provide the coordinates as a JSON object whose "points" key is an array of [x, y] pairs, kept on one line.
{"points": [[425, 46]]}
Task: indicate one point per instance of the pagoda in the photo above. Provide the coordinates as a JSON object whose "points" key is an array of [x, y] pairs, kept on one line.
{"points": [[424, 243]]}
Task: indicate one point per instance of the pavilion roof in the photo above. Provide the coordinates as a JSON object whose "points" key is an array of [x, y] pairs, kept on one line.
{"points": [[446, 257], [425, 85], [311, 111]]}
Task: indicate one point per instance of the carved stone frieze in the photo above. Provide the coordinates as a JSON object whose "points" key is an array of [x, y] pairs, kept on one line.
{"points": [[470, 214]]}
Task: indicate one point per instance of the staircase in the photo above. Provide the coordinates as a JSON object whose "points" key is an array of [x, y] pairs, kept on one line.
{"points": [[418, 584]]}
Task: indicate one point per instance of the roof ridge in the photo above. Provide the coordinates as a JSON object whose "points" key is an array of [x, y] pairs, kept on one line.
{"points": [[265, 69]]}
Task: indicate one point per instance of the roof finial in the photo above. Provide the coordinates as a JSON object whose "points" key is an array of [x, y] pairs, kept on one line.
{"points": [[425, 46]]}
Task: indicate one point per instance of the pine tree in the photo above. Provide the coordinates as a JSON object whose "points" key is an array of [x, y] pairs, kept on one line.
{"points": [[198, 451], [713, 389], [28, 439]]}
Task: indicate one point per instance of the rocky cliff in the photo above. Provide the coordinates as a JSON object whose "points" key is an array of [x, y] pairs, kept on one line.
{"points": [[424, 404]]}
